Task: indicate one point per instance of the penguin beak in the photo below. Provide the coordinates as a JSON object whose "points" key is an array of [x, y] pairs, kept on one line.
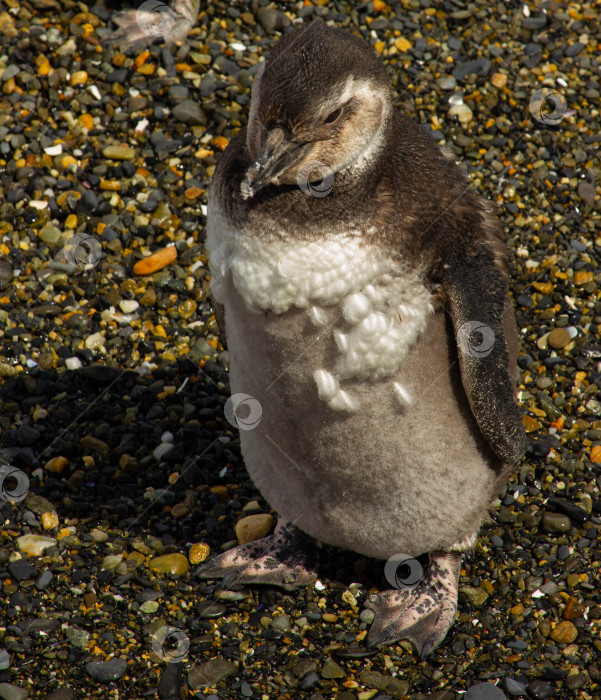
{"points": [[273, 164]]}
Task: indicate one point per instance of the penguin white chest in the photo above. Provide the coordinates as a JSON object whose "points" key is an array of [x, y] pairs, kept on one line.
{"points": [[381, 306]]}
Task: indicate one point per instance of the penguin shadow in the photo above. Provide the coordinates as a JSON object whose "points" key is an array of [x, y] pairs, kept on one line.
{"points": [[344, 567]]}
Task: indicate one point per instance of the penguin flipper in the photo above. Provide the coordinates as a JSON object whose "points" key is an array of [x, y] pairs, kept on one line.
{"points": [[423, 614], [288, 559], [478, 302]]}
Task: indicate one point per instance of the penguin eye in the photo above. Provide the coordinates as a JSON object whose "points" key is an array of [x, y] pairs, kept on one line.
{"points": [[333, 116]]}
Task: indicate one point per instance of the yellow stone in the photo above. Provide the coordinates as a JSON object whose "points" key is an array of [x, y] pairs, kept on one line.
{"points": [[582, 277], [499, 80], [253, 527], [193, 193], [43, 65], [565, 632], [530, 424], [199, 551], [147, 69], [110, 185], [559, 338], [86, 120], [221, 142], [169, 564], [57, 465], [71, 221], [543, 287], [403, 44], [596, 454], [50, 520], [379, 46], [329, 617], [517, 610], [80, 77], [67, 160]]}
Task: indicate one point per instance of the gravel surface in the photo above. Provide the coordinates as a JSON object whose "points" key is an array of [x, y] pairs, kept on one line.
{"points": [[127, 474]]}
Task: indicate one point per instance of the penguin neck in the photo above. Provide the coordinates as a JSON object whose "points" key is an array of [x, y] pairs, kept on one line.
{"points": [[363, 172]]}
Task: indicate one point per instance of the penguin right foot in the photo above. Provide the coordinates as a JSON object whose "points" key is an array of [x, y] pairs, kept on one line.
{"points": [[288, 558]]}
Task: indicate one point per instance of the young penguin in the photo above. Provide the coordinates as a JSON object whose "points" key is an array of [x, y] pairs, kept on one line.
{"points": [[367, 313]]}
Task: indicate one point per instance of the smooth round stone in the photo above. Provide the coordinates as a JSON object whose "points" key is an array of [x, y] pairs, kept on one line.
{"points": [[44, 580], [556, 522], [538, 690], [367, 616], [161, 450], [8, 691], [210, 673], [232, 595], [209, 609], [4, 659], [447, 82], [170, 564], [484, 691], [149, 607], [565, 632], [50, 234], [332, 670], [462, 112], [98, 536], [253, 527], [281, 622], [78, 638], [20, 570], [513, 687], [111, 561], [118, 152], [50, 520], [35, 545], [558, 338], [106, 671]]}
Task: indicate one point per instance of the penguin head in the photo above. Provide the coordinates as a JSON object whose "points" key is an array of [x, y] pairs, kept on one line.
{"points": [[319, 106]]}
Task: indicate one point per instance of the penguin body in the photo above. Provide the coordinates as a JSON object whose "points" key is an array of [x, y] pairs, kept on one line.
{"points": [[366, 311]]}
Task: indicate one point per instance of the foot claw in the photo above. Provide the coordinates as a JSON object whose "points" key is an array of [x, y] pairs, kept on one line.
{"points": [[287, 559], [423, 614]]}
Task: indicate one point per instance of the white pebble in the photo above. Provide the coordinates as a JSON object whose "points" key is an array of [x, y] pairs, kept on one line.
{"points": [[161, 450], [167, 437], [73, 363], [54, 150], [128, 306]]}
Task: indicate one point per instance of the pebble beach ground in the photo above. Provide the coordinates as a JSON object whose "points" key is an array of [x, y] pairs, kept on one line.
{"points": [[113, 378]]}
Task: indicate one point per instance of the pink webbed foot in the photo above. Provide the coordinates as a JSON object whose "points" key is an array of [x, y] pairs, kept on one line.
{"points": [[288, 558], [423, 614]]}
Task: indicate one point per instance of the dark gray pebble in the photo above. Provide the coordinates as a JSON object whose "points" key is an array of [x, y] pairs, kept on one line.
{"points": [[170, 683], [484, 691], [538, 690], [189, 112], [106, 671]]}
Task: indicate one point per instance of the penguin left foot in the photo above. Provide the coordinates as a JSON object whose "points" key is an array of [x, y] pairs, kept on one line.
{"points": [[422, 614], [288, 558]]}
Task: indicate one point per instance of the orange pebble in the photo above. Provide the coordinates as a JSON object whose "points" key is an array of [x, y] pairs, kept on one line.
{"points": [[156, 261], [596, 453]]}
